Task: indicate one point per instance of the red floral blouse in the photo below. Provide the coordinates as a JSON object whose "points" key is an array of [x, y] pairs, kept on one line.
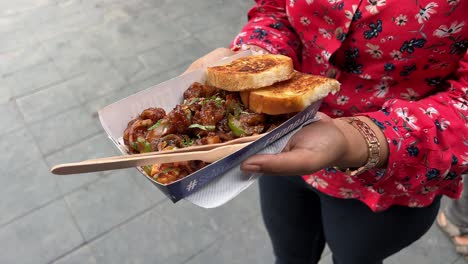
{"points": [[401, 63]]}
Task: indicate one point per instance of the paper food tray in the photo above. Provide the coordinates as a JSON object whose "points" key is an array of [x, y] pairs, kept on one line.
{"points": [[218, 182]]}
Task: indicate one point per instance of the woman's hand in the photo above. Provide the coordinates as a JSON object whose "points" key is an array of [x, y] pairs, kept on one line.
{"points": [[214, 55], [327, 142]]}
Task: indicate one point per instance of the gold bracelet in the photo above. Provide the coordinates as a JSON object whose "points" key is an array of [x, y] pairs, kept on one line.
{"points": [[373, 146]]}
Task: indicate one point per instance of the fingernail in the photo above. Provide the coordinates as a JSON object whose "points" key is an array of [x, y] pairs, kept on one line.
{"points": [[251, 168]]}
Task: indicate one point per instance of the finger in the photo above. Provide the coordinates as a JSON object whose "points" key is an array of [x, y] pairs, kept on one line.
{"points": [[295, 162], [212, 56]]}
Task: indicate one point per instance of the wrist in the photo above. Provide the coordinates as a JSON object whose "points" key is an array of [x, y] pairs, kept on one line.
{"points": [[384, 149], [367, 146], [356, 151]]}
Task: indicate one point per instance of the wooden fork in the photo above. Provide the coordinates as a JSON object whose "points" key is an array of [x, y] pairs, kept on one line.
{"points": [[129, 161]]}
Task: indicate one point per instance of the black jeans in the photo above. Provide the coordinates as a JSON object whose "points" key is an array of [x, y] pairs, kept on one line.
{"points": [[300, 220]]}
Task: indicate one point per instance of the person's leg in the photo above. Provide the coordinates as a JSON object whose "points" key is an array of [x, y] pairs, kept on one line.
{"points": [[453, 220], [292, 218], [356, 235], [457, 210]]}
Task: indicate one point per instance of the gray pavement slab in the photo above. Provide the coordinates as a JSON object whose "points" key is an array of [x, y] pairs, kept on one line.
{"points": [[58, 98], [162, 235], [18, 59], [82, 255], [106, 203], [248, 243], [33, 78], [14, 7], [202, 20], [17, 142], [73, 55], [6, 92], [11, 40], [10, 116], [25, 188], [172, 55], [40, 237], [95, 83], [68, 23], [71, 127]]}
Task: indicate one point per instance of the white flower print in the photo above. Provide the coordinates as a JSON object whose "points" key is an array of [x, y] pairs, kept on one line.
{"points": [[430, 111], [373, 4], [444, 124], [410, 120], [337, 112], [465, 159], [305, 21], [365, 76], [443, 31], [346, 193], [309, 1], [381, 89], [350, 14], [374, 50], [291, 3], [400, 187], [342, 100], [326, 54], [426, 12], [401, 20], [396, 55], [317, 182], [324, 33], [329, 20], [258, 19], [349, 179], [332, 2], [371, 189], [461, 105], [318, 59], [410, 95], [414, 204]]}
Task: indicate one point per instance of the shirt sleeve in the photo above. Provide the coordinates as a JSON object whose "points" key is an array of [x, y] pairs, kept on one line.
{"points": [[268, 27], [428, 138]]}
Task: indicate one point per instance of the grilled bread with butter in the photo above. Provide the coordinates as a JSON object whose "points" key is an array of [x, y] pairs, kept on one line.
{"points": [[251, 72], [290, 96]]}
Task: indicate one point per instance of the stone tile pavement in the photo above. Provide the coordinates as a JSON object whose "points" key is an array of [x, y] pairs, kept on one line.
{"points": [[62, 60]]}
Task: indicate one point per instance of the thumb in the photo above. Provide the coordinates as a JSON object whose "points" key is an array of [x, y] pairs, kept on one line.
{"points": [[294, 162]]}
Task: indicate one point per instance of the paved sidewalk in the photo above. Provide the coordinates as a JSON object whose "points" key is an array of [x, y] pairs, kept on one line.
{"points": [[62, 60]]}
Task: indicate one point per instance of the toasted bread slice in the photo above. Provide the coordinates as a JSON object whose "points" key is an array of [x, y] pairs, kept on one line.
{"points": [[250, 72], [289, 96]]}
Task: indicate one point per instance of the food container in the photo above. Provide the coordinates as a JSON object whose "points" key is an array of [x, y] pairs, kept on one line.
{"points": [[218, 182]]}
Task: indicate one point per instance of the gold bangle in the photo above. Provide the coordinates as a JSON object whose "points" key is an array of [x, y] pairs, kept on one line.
{"points": [[373, 146]]}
